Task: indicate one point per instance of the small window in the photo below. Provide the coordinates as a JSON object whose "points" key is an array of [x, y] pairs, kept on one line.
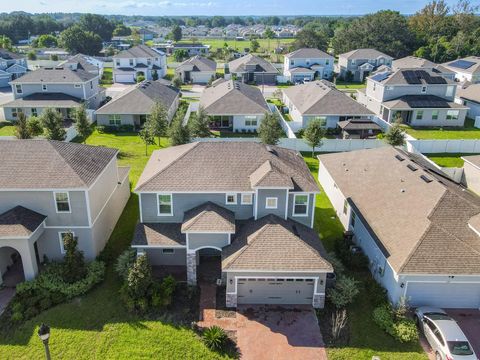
{"points": [[117, 62], [18, 88], [165, 204], [327, 62], [61, 238], [91, 84], [247, 199], [130, 62], [271, 203], [424, 89], [435, 115], [419, 115], [168, 251], [231, 199], [345, 206], [62, 202], [300, 207], [16, 111], [149, 62], [452, 114], [114, 119], [251, 121], [77, 86], [44, 87], [353, 219], [449, 91], [353, 61], [34, 112]]}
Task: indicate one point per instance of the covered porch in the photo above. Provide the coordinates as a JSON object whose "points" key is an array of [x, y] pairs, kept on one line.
{"points": [[220, 122]]}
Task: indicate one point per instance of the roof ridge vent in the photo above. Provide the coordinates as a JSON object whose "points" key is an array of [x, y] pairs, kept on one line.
{"points": [[411, 167], [426, 179], [399, 158]]}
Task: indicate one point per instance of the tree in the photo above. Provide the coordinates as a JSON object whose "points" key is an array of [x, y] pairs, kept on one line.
{"points": [[122, 30], [138, 287], [154, 75], [74, 268], [198, 124], [254, 45], [157, 121], [52, 121], [176, 33], [270, 130], [177, 81], [46, 41], [82, 125], [179, 134], [312, 37], [77, 40], [147, 137], [5, 42], [269, 34], [314, 133], [345, 291], [21, 127], [396, 135], [97, 24], [31, 55], [180, 54], [35, 127]]}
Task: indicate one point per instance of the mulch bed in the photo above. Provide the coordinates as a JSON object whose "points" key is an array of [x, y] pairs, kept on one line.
{"points": [[221, 310]]}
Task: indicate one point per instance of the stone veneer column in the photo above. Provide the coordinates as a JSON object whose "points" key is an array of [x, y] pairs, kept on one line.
{"points": [[191, 268], [231, 300], [318, 301]]}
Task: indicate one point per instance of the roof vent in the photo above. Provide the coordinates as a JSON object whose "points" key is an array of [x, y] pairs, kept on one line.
{"points": [[399, 158], [411, 167], [426, 179], [402, 190], [269, 149]]}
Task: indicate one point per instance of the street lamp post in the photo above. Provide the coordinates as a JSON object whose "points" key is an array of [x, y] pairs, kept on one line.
{"points": [[44, 335]]}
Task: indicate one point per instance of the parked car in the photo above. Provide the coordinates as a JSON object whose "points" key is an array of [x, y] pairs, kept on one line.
{"points": [[444, 335]]}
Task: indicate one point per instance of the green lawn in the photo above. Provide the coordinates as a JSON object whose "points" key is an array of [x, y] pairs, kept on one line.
{"points": [[7, 129], [240, 45], [366, 338], [467, 132], [447, 160], [97, 325], [343, 85], [107, 77]]}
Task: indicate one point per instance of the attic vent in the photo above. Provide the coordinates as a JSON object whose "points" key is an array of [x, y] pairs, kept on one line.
{"points": [[426, 179], [411, 167], [399, 158]]}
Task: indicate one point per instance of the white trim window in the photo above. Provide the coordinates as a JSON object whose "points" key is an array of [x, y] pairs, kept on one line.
{"points": [[18, 88], [247, 199], [434, 114], [77, 86], [452, 114], [251, 120], [165, 204], [300, 204], [168, 251], [114, 119], [231, 198], [44, 87], [424, 89], [62, 202], [61, 236], [419, 115], [449, 91], [34, 112], [271, 203]]}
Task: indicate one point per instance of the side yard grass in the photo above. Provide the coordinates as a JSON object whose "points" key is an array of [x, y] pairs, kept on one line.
{"points": [[6, 129], [466, 132], [344, 85], [448, 159], [366, 339], [107, 77]]}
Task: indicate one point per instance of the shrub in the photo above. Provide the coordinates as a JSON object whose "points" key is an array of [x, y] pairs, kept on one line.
{"points": [[377, 294], [338, 267], [163, 292], [403, 330], [140, 78], [101, 129], [124, 263], [74, 268], [214, 338], [138, 288], [406, 331], [345, 291]]}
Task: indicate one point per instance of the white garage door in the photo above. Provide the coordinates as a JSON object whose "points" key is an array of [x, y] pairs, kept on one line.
{"points": [[446, 295], [124, 78], [275, 291]]}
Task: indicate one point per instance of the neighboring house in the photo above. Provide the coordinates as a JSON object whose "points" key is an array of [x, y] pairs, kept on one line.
{"points": [[235, 106], [413, 62], [134, 105], [192, 49], [147, 34], [307, 64], [253, 69], [197, 70], [12, 66], [466, 69], [420, 97], [361, 62], [470, 97], [84, 62], [359, 129], [138, 61], [55, 87], [50, 188], [245, 207], [471, 172], [320, 100], [419, 229]]}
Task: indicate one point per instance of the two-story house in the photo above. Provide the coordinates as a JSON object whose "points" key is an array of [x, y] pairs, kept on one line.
{"points": [[253, 69], [466, 69], [234, 106], [357, 64], [307, 64], [60, 88], [85, 62], [416, 97], [12, 66], [414, 62], [243, 207], [137, 61], [50, 188]]}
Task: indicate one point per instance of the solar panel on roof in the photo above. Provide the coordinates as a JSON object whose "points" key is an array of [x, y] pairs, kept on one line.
{"points": [[411, 77], [462, 64], [380, 77]]}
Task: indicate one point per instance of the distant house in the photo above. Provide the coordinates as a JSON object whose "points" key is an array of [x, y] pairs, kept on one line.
{"points": [[134, 105], [235, 106], [251, 68], [197, 70], [469, 96], [466, 69], [84, 62], [321, 100], [138, 61], [413, 62], [12, 66], [147, 34], [56, 87], [361, 62], [306, 64], [418, 97], [191, 48]]}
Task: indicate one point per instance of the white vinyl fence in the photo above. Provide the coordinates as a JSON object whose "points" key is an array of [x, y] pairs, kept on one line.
{"points": [[444, 146], [285, 125]]}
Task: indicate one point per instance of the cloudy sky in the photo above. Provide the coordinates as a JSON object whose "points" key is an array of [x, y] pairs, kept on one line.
{"points": [[216, 7]]}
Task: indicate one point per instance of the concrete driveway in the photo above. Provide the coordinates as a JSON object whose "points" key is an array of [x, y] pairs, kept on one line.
{"points": [[469, 322], [276, 333]]}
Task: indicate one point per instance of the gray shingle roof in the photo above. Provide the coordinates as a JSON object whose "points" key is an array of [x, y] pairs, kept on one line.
{"points": [[474, 69], [410, 62], [139, 51], [275, 244], [308, 53], [80, 61], [220, 166], [261, 65], [421, 102], [159, 234], [322, 98], [471, 92], [198, 63], [19, 222], [44, 100], [55, 75], [233, 98], [422, 227], [209, 217], [140, 98], [43, 164], [8, 55], [364, 54]]}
